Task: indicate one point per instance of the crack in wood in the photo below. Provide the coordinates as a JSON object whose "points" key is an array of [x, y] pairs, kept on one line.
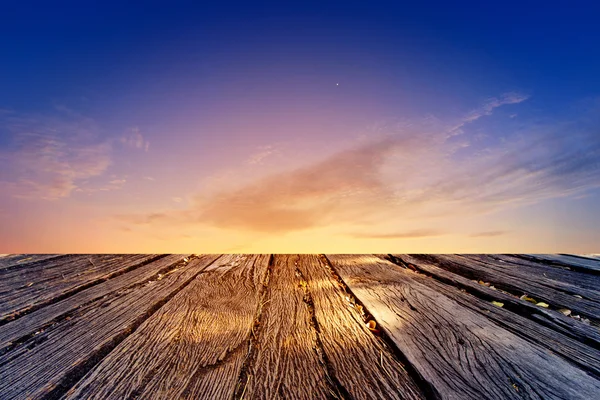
{"points": [[507, 287], [79, 370], [558, 264], [426, 387], [253, 339], [80, 308], [337, 390], [524, 310], [20, 313]]}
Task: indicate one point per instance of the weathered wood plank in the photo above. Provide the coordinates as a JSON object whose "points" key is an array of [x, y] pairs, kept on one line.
{"points": [[558, 295], [20, 329], [362, 363], [569, 276], [581, 264], [24, 290], [558, 333], [48, 364], [457, 350], [194, 346], [554, 320], [9, 261], [287, 361]]}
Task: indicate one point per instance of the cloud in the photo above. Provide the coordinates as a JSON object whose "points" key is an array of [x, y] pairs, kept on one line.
{"points": [[487, 109], [415, 171], [415, 234], [488, 234], [51, 156], [263, 152], [114, 184], [48, 167], [135, 139]]}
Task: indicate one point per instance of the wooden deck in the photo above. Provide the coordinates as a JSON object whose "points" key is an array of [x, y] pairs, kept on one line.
{"points": [[299, 327]]}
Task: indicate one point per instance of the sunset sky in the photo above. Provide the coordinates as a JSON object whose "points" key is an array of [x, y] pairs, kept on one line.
{"points": [[317, 127]]}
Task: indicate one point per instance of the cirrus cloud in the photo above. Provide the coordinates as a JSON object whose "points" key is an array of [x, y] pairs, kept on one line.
{"points": [[416, 171]]}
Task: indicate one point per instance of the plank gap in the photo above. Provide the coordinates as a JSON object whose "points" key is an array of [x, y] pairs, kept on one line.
{"points": [[426, 387]]}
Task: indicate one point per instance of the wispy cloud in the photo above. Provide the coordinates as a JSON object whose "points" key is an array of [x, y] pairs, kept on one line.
{"points": [[262, 153], [52, 156], [115, 184], [488, 234], [487, 109], [47, 166], [414, 234], [135, 139], [416, 171]]}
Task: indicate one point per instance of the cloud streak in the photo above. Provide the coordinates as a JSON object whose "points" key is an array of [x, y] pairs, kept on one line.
{"points": [[48, 167], [51, 157], [415, 172], [488, 234], [135, 140], [414, 234]]}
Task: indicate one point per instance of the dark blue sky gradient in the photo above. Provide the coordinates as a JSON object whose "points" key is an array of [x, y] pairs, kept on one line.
{"points": [[48, 48]]}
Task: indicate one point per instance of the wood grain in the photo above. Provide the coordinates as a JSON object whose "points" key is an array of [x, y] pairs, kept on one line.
{"points": [[24, 289], [362, 363], [535, 324], [512, 279], [554, 320], [193, 347], [13, 261], [20, 329], [48, 364], [561, 274], [462, 353], [287, 361], [298, 327], [582, 264]]}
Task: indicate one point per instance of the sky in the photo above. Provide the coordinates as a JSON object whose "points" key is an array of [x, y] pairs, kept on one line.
{"points": [[341, 127]]}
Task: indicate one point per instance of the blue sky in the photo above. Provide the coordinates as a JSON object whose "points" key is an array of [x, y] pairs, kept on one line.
{"points": [[186, 126]]}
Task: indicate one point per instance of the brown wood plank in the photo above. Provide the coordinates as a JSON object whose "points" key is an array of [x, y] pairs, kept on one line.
{"points": [[461, 353], [48, 364], [194, 346], [556, 332], [20, 329], [24, 290], [511, 279], [287, 361], [362, 363]]}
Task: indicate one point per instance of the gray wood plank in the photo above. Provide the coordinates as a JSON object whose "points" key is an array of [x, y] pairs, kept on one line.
{"points": [[194, 346], [460, 352], [581, 264], [362, 363], [22, 328], [13, 261], [48, 364], [575, 342], [529, 267], [27, 289], [512, 279]]}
